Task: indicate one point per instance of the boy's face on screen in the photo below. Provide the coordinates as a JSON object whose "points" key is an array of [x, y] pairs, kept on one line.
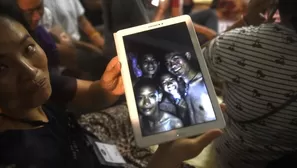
{"points": [[150, 65], [147, 100], [177, 65], [169, 84]]}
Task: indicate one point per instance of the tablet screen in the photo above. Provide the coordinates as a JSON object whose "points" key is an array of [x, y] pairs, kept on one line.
{"points": [[169, 88]]}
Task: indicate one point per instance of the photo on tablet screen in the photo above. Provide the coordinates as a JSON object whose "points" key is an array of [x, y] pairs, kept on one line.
{"points": [[169, 88]]}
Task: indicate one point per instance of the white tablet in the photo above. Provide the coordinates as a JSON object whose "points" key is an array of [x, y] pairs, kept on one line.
{"points": [[168, 87]]}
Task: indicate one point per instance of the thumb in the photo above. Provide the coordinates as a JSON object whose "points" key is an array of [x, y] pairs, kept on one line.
{"points": [[113, 69], [112, 63], [205, 139]]}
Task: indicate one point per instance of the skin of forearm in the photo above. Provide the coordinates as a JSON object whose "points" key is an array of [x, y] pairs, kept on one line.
{"points": [[160, 160], [87, 46], [176, 12], [101, 98], [159, 15], [163, 7], [91, 94], [90, 31], [210, 34]]}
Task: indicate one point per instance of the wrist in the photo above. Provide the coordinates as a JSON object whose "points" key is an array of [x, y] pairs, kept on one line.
{"points": [[94, 35], [163, 159], [98, 40]]}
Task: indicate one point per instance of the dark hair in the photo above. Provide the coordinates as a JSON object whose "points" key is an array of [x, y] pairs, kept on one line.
{"points": [[166, 73], [141, 59], [181, 84], [145, 82], [10, 8], [171, 54], [214, 4], [288, 7]]}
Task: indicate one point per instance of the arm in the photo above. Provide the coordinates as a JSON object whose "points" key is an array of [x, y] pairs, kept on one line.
{"points": [[65, 39], [90, 31], [67, 55], [163, 7], [102, 93], [172, 155], [92, 94], [87, 46], [176, 8], [92, 4], [210, 34]]}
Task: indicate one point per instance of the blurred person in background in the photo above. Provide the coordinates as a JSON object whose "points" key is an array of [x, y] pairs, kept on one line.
{"points": [[93, 11], [205, 22], [75, 55], [228, 12], [71, 16], [188, 6]]}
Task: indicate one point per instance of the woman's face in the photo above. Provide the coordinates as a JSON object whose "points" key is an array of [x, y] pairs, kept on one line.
{"points": [[24, 77], [33, 11]]}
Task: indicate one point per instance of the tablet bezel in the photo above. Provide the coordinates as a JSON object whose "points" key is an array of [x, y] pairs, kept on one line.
{"points": [[145, 141]]}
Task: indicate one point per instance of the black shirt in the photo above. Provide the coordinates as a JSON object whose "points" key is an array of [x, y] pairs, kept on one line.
{"points": [[63, 88], [56, 144]]}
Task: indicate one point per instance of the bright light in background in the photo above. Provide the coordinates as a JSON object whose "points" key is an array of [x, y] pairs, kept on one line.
{"points": [[156, 2]]}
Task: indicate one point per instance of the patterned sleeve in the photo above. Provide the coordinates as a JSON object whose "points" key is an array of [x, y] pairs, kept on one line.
{"points": [[209, 52]]}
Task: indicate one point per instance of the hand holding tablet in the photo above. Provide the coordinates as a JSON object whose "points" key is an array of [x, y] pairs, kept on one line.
{"points": [[167, 84], [174, 153]]}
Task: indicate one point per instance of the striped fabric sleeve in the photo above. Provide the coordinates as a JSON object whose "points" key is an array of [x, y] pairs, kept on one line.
{"points": [[209, 52]]}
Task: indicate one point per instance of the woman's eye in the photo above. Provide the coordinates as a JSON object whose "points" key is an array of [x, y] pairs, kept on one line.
{"points": [[30, 49]]}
